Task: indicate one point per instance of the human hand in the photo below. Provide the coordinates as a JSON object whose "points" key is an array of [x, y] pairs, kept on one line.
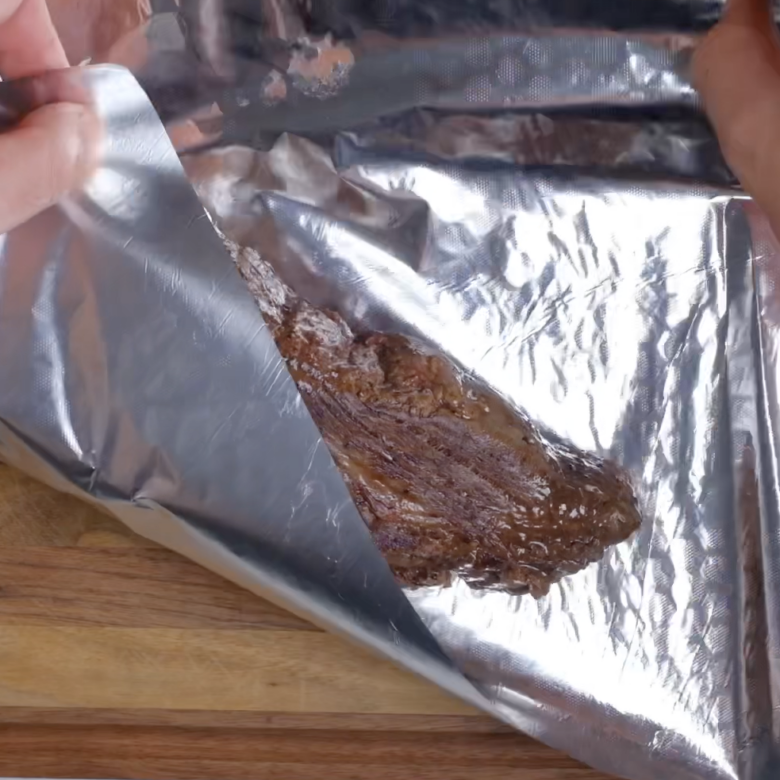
{"points": [[737, 72], [54, 148]]}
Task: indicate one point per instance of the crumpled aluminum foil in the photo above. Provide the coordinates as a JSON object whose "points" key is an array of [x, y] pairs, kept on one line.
{"points": [[620, 292], [614, 315]]}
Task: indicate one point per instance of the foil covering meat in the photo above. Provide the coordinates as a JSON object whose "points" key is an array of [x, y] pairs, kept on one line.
{"points": [[542, 208], [449, 478]]}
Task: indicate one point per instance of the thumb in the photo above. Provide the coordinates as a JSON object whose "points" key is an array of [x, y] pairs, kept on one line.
{"points": [[737, 72], [51, 152]]}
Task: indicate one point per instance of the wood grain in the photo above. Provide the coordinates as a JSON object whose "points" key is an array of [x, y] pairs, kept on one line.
{"points": [[128, 587], [195, 669], [121, 659]]}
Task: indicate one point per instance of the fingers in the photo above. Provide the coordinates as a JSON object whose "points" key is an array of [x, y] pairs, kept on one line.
{"points": [[749, 12], [52, 152], [29, 44], [55, 147], [737, 72]]}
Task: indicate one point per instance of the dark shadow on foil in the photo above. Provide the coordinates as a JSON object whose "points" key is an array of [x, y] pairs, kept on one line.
{"points": [[407, 18]]}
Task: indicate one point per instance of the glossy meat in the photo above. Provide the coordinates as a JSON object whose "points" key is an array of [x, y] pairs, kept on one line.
{"points": [[449, 478]]}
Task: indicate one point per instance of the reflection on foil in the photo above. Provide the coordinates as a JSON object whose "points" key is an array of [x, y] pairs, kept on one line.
{"points": [[681, 148], [368, 78], [587, 264], [603, 309], [320, 68]]}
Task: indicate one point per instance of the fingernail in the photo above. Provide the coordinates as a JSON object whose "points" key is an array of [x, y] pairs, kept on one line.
{"points": [[88, 135]]}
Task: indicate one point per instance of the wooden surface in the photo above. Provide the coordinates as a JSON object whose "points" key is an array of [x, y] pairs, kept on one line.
{"points": [[119, 659]]}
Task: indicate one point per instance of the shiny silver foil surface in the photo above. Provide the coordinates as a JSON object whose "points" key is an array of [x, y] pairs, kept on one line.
{"points": [[618, 317], [596, 269]]}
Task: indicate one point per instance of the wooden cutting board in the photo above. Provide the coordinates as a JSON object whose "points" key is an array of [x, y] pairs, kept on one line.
{"points": [[119, 659]]}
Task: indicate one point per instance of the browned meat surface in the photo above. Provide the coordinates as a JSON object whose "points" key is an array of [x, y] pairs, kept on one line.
{"points": [[449, 478]]}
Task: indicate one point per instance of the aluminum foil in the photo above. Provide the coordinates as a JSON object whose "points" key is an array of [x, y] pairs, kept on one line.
{"points": [[614, 315], [595, 268], [101, 395]]}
